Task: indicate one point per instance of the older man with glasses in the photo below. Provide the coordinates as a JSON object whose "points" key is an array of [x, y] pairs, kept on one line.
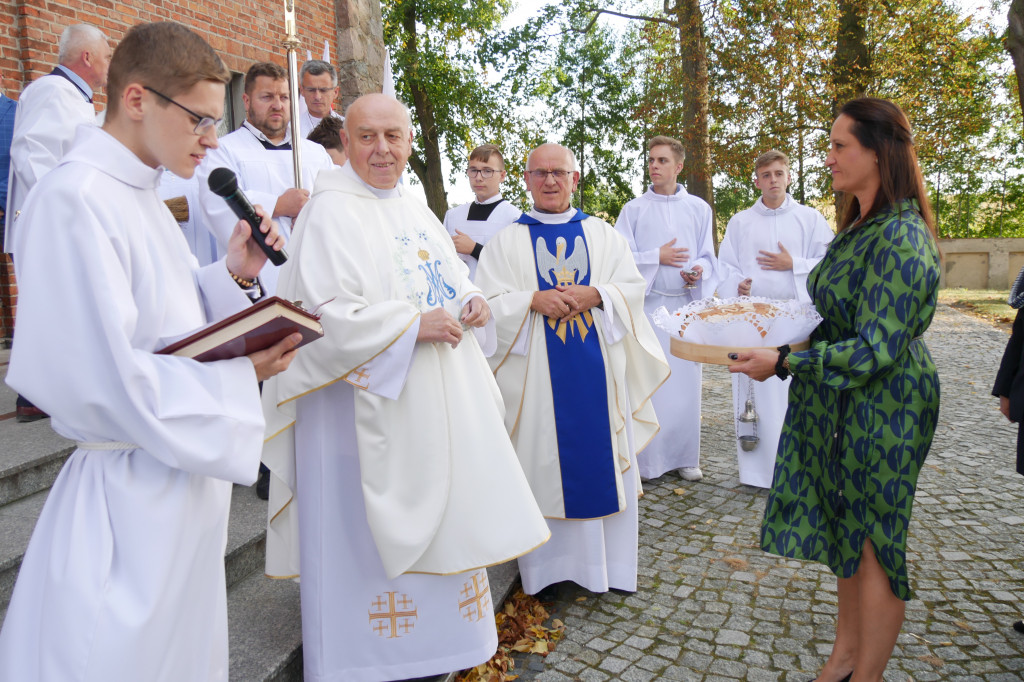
{"points": [[318, 82], [472, 224], [577, 363]]}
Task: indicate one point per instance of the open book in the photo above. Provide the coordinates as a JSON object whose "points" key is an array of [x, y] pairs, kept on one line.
{"points": [[245, 332]]}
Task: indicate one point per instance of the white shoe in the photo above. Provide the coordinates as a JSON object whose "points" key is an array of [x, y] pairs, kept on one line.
{"points": [[691, 473]]}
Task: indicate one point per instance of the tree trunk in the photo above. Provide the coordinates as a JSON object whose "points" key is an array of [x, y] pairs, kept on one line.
{"points": [[1015, 43], [851, 65], [697, 138], [428, 169]]}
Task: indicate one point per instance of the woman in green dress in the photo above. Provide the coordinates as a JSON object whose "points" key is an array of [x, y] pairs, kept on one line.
{"points": [[864, 399]]}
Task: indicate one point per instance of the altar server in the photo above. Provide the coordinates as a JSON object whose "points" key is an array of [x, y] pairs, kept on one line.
{"points": [[577, 363], [260, 154], [471, 225], [123, 579], [393, 482], [767, 251], [670, 235]]}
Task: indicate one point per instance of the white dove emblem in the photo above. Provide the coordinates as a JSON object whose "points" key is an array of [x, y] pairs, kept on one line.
{"points": [[567, 271]]}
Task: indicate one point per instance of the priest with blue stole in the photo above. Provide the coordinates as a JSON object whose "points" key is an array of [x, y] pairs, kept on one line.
{"points": [[577, 364]]}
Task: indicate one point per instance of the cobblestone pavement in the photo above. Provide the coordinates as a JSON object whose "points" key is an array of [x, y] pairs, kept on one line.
{"points": [[712, 606]]}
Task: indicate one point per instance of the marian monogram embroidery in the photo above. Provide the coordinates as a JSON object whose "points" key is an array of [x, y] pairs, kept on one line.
{"points": [[392, 616], [561, 270], [440, 290]]}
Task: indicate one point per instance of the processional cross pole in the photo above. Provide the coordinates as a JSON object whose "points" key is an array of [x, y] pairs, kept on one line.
{"points": [[291, 45]]}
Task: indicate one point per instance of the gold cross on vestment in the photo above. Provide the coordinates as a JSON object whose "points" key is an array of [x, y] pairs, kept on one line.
{"points": [[476, 597], [382, 621], [359, 377]]}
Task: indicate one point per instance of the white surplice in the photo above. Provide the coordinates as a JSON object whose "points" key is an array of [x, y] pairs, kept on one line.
{"points": [[201, 243], [307, 121], [806, 235], [595, 553], [123, 579], [480, 231], [263, 176], [648, 222], [49, 111], [386, 453]]}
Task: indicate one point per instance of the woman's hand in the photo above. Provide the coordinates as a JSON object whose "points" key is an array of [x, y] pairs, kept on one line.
{"points": [[758, 364]]}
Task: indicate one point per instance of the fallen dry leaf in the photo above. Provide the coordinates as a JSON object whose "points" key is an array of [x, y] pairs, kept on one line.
{"points": [[521, 628]]}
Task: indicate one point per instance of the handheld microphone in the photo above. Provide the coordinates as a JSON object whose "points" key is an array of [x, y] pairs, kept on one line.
{"points": [[223, 183]]}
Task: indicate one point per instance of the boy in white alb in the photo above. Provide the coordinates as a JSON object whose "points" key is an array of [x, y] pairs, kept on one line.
{"points": [[670, 235], [123, 579], [471, 225], [768, 251]]}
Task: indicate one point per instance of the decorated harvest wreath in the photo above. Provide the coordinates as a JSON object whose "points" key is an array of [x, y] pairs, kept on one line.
{"points": [[709, 329]]}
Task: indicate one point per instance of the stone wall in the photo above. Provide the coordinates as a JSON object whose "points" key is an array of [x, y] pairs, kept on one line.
{"points": [[242, 31], [981, 263]]}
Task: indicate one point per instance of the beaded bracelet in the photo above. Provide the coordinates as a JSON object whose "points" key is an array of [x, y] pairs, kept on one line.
{"points": [[244, 283]]}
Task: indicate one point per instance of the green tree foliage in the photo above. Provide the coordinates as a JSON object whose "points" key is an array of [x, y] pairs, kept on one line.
{"points": [[779, 68], [447, 70], [586, 86]]}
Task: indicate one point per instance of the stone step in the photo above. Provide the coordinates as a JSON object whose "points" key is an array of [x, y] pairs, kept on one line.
{"points": [[30, 457], [246, 544], [264, 630]]}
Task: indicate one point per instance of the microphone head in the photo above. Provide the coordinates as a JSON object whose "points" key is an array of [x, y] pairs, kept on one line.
{"points": [[222, 182]]}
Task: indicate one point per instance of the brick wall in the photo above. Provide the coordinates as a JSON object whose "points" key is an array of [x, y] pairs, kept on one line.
{"points": [[242, 31]]}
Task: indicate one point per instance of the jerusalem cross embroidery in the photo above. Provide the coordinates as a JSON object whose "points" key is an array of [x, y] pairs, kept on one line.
{"points": [[475, 597], [392, 617], [566, 272], [440, 290], [359, 377]]}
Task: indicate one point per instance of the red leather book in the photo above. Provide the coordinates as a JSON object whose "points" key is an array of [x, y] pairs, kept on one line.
{"points": [[245, 332]]}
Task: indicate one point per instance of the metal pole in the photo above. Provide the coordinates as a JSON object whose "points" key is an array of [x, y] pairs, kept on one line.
{"points": [[291, 44]]}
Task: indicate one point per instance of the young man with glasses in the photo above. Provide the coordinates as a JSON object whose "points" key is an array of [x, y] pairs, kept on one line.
{"points": [[577, 362], [471, 225], [124, 576], [670, 234], [260, 154]]}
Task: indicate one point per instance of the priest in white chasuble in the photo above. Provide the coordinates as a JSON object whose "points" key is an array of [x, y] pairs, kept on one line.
{"points": [[393, 481], [123, 579], [670, 235], [577, 363], [768, 250]]}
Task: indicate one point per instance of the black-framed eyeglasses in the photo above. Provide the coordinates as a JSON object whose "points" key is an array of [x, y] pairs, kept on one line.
{"points": [[542, 175], [205, 122], [486, 173]]}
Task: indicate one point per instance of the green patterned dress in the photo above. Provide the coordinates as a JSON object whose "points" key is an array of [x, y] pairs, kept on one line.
{"points": [[863, 402]]}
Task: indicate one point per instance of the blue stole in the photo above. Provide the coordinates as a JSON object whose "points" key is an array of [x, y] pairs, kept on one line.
{"points": [[576, 365]]}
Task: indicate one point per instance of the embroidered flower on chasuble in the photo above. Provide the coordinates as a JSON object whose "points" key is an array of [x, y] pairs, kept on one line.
{"points": [[392, 615]]}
